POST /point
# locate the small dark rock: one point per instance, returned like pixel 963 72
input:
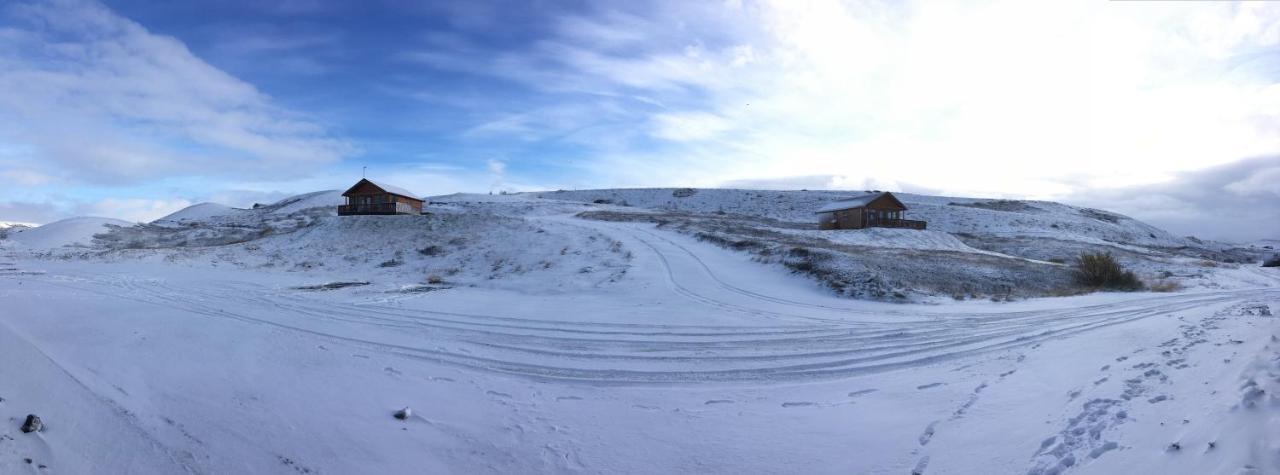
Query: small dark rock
pixel 28 461
pixel 1175 446
pixel 403 414
pixel 32 424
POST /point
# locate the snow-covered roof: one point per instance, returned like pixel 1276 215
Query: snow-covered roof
pixel 853 202
pixel 395 190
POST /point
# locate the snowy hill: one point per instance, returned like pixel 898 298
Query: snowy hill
pixel 946 214
pixel 538 335
pixel 67 232
pixel 972 248
pixel 195 213
pixel 215 214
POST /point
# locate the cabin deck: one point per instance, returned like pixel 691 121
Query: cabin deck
pixel 896 223
pixel 376 208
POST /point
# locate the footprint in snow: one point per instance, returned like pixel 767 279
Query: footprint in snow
pixel 862 392
pixel 498 394
pixel 568 398
pixel 799 404
pixel 930 385
pixel 920 466
pixel 928 433
pixel 1100 381
pixel 718 401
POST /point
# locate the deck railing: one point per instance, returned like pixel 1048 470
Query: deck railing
pixel 376 208
pixel 896 223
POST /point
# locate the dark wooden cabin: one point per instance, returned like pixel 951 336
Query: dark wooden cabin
pixel 878 209
pixel 367 197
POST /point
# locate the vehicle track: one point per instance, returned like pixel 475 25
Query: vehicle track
pixel 667 354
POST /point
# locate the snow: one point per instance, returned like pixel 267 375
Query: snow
pixel 947 214
pixel 195 213
pixel 395 190
pixel 67 232
pixel 893 238
pixel 851 202
pixel 557 344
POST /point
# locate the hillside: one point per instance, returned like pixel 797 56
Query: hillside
pixel 67 232
pixel 972 249
pixel 512 325
pixel 946 214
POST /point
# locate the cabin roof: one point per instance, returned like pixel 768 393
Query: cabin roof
pixel 857 201
pixel 392 189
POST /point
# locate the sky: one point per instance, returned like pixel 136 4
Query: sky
pixel 1166 111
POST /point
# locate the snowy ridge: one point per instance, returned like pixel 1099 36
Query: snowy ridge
pixel 947 214
pixel 67 232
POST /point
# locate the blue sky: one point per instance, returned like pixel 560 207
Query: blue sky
pixel 133 109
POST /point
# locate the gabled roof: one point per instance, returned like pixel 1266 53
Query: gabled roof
pixel 858 201
pixel 395 190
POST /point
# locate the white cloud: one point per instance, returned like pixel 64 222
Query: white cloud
pixel 133 209
pixel 99 97
pixel 1003 98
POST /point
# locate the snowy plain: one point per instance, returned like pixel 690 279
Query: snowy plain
pixel 554 344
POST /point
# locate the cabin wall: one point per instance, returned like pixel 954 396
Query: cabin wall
pixel 377 196
pixel 841 219
pixel 827 221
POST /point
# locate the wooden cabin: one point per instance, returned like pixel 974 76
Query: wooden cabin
pixel 367 197
pixel 875 209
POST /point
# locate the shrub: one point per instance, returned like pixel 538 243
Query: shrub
pixel 1274 261
pixel 1164 285
pixel 684 192
pixel 432 250
pixel 435 279
pixel 1057 260
pixel 1103 271
pixel 1207 263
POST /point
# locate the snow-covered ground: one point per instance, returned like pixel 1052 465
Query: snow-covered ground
pixel 67 232
pixel 208 343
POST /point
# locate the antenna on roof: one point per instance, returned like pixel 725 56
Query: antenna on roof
pixel 363 170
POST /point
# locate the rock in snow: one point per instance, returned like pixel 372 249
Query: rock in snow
pixel 404 414
pixel 32 424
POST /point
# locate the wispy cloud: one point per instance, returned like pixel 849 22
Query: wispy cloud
pixel 99 98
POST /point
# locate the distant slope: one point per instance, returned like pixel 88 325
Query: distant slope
pixel 215 214
pixel 68 232
pixel 947 214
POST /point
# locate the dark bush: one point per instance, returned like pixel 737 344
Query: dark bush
pixel 1102 270
pixel 1274 261
pixel 432 250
